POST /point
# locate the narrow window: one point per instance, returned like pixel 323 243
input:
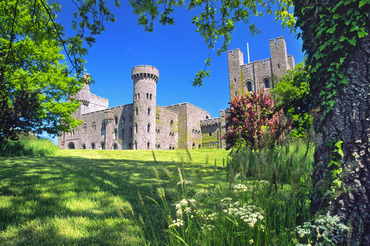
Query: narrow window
pixel 136 110
pixel 148 111
pixel 148 128
pixel 115 134
pixel 103 125
pixel 102 144
pixel 135 127
pixel 249 86
pixel 147 145
pixel 267 83
pixel 83 146
pixel 150 96
pixel 92 145
pixel 138 96
pixel 171 122
pixel 115 120
pixel 115 147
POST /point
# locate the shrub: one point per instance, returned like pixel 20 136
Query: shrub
pixel 250 119
pixel 27 146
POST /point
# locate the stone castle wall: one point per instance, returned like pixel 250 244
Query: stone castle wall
pixel 145 125
pixel 260 74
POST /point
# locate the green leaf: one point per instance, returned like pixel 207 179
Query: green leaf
pixel 352 41
pixel 342 60
pixel 331 30
pixel 363 2
pixel 361 34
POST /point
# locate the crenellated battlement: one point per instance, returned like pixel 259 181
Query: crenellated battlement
pixel 144 72
pixel 210 122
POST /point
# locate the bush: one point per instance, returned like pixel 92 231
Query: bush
pixel 27 146
pixel 250 119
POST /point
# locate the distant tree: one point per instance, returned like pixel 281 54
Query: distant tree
pixel 35 82
pixel 292 95
pixel 249 119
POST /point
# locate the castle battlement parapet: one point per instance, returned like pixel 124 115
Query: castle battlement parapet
pixel 144 72
pixel 210 122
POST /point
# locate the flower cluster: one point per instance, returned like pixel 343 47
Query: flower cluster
pixel 240 188
pixel 176 223
pixel 184 206
pixel 250 214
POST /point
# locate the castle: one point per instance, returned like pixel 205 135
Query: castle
pixel 145 125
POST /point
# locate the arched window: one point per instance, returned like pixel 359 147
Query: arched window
pixel 249 86
pixel 148 128
pixel 193 146
pixel 103 125
pixel 266 82
pixel 116 120
pixel 92 145
pixel 147 95
pixel 83 146
pixel 72 132
pixel 210 134
pixel 148 111
pixel 171 122
pixel 71 145
pixel 115 146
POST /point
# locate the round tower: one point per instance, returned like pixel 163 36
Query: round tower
pixel 145 80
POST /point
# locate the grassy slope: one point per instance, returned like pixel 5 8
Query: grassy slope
pixel 80 196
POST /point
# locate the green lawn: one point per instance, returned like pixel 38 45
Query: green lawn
pixel 84 197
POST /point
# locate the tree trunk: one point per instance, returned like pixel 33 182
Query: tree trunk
pixel 349 121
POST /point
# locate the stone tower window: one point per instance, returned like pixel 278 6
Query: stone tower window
pixel 147 95
pixel 115 134
pixel 138 96
pixel 136 110
pixel 92 145
pixel 103 125
pixel 102 144
pixel 147 145
pixel 115 120
pixel 150 96
pixel 171 122
pixel 72 132
pixel 148 128
pixel 148 111
pixel 83 146
pixel 157 116
pixel 278 65
pixel 135 127
pixel 266 83
pixel 115 146
pixel 210 134
pixel 249 86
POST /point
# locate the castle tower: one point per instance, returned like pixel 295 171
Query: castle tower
pixel 145 80
pixel 235 60
pixel 280 61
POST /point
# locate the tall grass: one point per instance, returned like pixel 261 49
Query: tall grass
pixel 27 146
pixel 262 201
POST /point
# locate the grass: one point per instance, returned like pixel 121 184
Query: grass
pixel 84 197
pixel 133 197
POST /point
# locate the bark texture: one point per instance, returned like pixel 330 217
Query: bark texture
pixel 348 121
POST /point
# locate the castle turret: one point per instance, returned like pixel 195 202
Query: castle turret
pixel 145 80
pixel 235 60
pixel 280 61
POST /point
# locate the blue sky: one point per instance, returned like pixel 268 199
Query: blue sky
pixel 177 51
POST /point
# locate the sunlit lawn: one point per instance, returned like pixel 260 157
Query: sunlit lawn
pixel 83 197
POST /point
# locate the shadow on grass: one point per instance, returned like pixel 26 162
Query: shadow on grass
pixel 79 201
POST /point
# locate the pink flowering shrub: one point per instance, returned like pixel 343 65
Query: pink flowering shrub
pixel 250 119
